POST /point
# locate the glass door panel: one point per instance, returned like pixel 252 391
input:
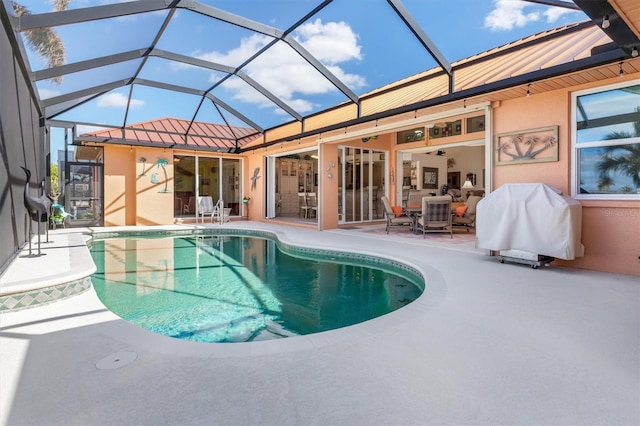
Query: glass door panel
pixel 231 185
pixel 184 169
pixel 361 184
pixel 84 194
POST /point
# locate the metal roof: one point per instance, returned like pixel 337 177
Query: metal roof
pixel 177 133
pixel 117 60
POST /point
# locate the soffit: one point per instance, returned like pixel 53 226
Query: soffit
pixel 629 10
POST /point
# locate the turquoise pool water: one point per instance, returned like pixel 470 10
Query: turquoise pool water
pixel 229 288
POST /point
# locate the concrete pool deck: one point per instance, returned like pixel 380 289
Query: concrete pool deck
pixel 487 343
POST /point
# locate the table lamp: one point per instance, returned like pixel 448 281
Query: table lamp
pixel 467 185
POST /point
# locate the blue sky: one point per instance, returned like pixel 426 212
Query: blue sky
pixel 362 42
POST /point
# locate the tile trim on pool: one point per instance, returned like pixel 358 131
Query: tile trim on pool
pixel 42 296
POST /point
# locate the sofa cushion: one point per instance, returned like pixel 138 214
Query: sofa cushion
pixel 397 210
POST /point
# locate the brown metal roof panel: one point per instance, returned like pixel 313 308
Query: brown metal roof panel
pixel 532 38
pixel 420 76
pixel 280 132
pixel 330 117
pixel 196 140
pixel 130 135
pixel 211 129
pixel 171 138
pixel 581 48
pixel 480 73
pixel 406 95
pixel 172 125
pixel 571 48
pixel 528 59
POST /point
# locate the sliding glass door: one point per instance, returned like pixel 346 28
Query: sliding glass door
pixel 218 178
pixel 361 184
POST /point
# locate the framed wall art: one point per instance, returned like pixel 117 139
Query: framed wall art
pixel 430 177
pixel 527 146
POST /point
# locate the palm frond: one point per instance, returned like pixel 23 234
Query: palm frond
pixel 45 41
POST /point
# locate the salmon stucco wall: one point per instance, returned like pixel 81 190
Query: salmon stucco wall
pixel 153 186
pixel 329 186
pixel 119 196
pixel 533 112
pixel 137 192
pixel 610 229
pixel 255 209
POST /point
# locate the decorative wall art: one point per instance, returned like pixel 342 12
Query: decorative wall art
pixel 527 146
pixel 162 163
pixel 430 177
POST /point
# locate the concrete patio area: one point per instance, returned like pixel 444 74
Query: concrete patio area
pixel 487 343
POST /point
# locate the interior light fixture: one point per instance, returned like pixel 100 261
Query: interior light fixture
pixel 528 90
pixel 467 185
pixel 605 22
pixel 634 52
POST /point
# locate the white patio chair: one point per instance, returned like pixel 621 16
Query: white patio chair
pixel 205 207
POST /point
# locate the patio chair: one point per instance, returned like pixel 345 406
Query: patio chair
pixel 312 204
pixel 205 207
pixel 392 219
pixel 220 213
pixel 307 203
pixel 59 216
pixel 468 219
pixel 436 215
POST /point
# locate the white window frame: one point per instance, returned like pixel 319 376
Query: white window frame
pixel 575 173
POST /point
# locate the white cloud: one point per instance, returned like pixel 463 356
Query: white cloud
pixel 508 14
pixel 285 73
pixel 117 100
pixel 554 13
pixel 48 93
pixel 332 43
pixel 82 129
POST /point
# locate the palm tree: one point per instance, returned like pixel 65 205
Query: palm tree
pixel 624 159
pixel 45 41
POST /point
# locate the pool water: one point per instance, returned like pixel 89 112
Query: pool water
pixel 240 288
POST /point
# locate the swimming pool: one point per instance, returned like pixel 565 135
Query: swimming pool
pixel 241 288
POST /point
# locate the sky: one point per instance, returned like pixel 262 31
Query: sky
pixel 362 42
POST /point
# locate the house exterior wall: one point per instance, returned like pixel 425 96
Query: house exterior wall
pixel 134 191
pixel 610 229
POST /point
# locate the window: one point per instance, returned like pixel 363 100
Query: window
pixel 407 136
pixel 445 129
pixel 475 124
pixel 606 143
